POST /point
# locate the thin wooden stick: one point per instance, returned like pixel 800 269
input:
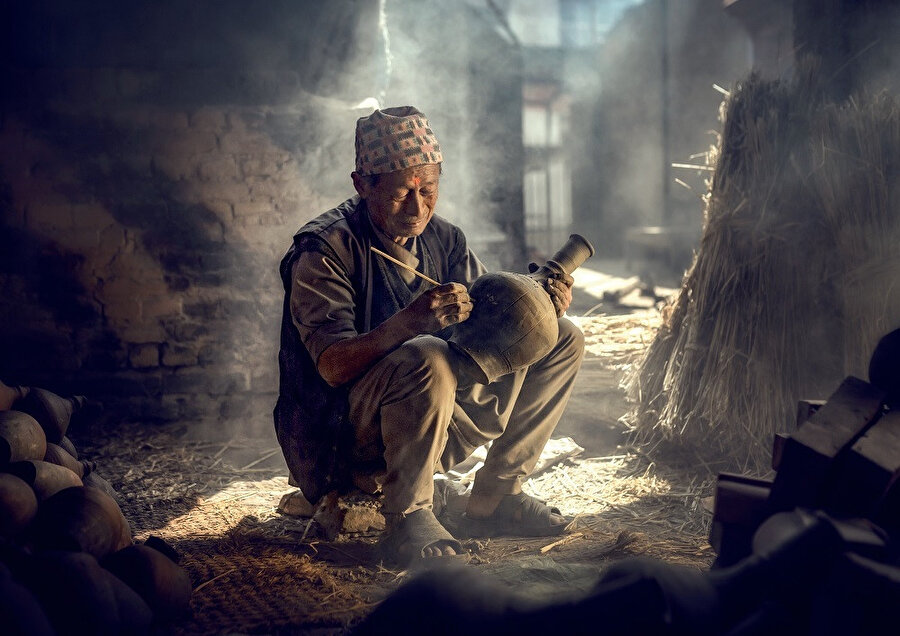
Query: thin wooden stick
pixel 403 265
pixel 215 578
pixel 565 539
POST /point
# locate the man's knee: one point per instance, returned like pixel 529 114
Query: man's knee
pixel 427 360
pixel 571 339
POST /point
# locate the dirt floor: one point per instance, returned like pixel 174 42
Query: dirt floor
pixel 256 570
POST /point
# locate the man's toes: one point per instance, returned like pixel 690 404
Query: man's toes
pixel 437 550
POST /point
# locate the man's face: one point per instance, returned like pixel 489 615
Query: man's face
pixel 401 203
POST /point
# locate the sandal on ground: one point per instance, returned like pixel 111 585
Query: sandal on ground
pixel 406 539
pixel 518 515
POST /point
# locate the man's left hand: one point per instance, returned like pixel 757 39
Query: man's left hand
pixel 560 290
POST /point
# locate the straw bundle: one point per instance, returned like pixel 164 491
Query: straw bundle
pixel 790 288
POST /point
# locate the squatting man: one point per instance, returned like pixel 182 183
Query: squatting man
pixel 370 392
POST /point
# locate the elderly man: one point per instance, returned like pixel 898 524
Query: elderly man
pixel 370 392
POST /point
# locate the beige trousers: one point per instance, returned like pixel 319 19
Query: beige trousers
pixel 412 418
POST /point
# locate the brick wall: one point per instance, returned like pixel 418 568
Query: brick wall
pixel 155 159
pixel 142 246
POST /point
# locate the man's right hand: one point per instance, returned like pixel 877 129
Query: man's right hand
pixel 431 311
pixel 439 307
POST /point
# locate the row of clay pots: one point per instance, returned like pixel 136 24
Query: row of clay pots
pixel 53 412
pixel 68 563
pixel 135 590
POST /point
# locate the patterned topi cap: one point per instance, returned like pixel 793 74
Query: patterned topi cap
pixel 392 139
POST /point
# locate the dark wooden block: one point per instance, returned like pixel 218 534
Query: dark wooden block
pixel 863 474
pixel 739 508
pixel 778 443
pixel 809 452
pixel 806 409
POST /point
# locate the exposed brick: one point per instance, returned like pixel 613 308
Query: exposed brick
pixel 186 407
pixel 218 168
pixel 178 355
pixel 264 165
pixel 232 407
pixel 211 380
pixel 184 331
pixel 216 354
pixel 160 306
pixel 121 309
pixel 229 191
pixel 142 332
pixel 143 356
pixel 245 143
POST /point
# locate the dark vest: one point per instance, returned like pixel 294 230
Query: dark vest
pixel 311 417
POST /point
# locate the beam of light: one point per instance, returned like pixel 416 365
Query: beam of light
pixel 388 56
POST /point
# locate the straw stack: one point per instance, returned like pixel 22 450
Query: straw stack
pixel 793 282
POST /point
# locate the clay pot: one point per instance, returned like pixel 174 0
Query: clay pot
pixel 56 455
pixel 21 438
pixel 9 394
pixel 52 411
pixel 45 478
pixel 80 519
pixel 569 258
pixel 66 444
pixel 135 616
pixel 513 323
pixel 94 480
pixel 80 597
pixel 21 612
pixel 18 505
pixel 164 585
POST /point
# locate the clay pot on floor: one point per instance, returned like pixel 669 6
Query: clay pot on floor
pixel 45 478
pixel 164 585
pixel 21 612
pixel 80 519
pixel 94 480
pixel 66 444
pixel 57 455
pixel 80 597
pixel 9 394
pixel 18 505
pixel 53 412
pixel 21 438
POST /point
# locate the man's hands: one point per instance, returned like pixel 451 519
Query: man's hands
pixel 560 290
pixel 558 284
pixel 439 307
pixel 431 311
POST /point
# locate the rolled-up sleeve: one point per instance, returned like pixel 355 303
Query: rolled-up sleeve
pixel 322 301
